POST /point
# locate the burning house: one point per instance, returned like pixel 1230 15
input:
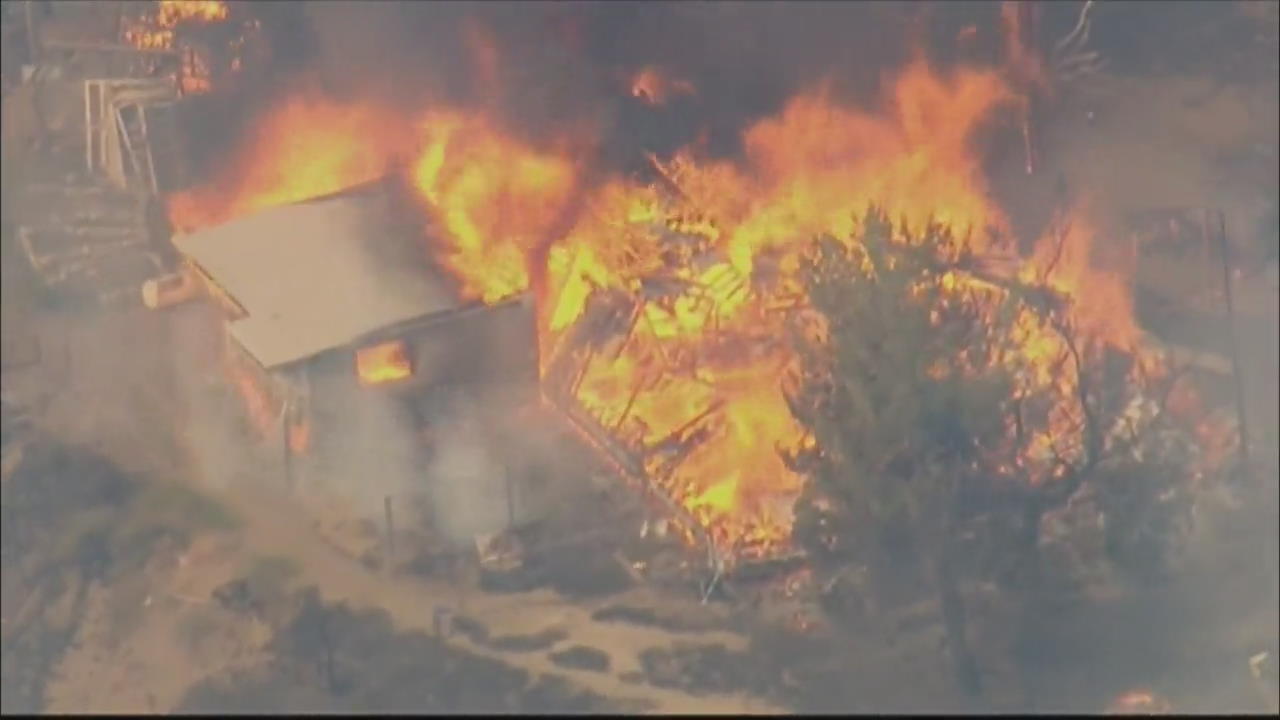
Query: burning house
pixel 357 359
pixel 664 305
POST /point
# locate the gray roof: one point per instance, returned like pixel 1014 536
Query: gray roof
pixel 319 274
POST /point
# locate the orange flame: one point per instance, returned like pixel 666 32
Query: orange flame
pixel 1063 260
pixel 494 200
pixel 383 363
pixel 259 404
pixel 713 349
pixel 174 12
pixel 694 385
pixel 158 30
pixel 299 437
pixel 306 147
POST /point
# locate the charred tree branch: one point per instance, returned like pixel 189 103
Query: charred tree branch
pixel 1220 227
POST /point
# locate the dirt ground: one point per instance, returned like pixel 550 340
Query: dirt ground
pixel 128 384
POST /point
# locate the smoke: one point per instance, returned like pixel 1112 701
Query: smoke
pixel 475 481
pixel 543 69
pixel 468 486
pixel 560 72
pixel 213 434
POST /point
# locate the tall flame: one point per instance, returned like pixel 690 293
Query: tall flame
pixel 306 146
pixel 707 349
pixel 710 270
pixel 493 198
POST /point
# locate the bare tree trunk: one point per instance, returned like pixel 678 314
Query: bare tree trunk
pixel 954 620
pixel 330 676
pixel 1029 589
pixel 1215 224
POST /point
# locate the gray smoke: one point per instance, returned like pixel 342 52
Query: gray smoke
pixel 467 484
pixel 542 66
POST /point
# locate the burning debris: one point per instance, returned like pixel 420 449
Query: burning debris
pixel 210 39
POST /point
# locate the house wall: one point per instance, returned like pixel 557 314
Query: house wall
pixel 494 346
pixel 429 436
pixel 363 444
